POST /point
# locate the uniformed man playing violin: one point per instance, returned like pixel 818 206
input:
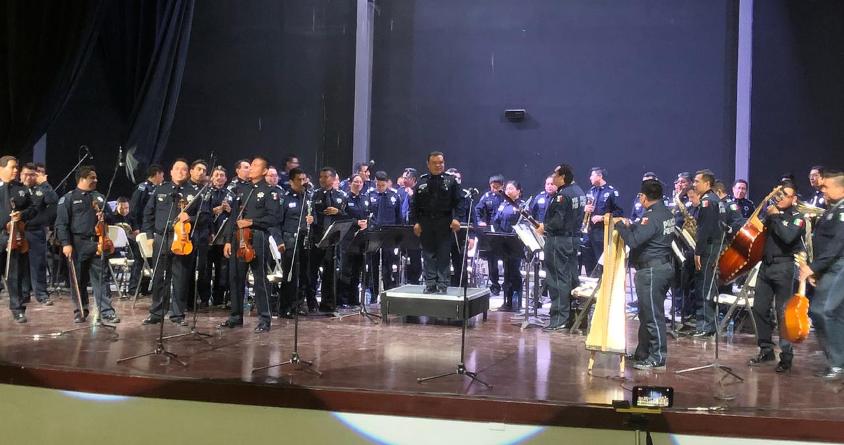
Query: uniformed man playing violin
pixel 15 206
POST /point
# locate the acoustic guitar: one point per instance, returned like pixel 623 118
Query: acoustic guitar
pixel 794 326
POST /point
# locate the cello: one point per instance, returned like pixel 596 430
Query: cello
pixel 746 248
pixel 795 318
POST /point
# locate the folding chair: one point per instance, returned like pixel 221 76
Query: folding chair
pixel 145 246
pixel 741 302
pixel 122 263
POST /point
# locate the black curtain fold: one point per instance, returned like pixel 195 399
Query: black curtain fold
pixel 145 44
pixel 44 48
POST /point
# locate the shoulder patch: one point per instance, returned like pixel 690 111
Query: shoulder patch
pixel 615 192
pixel 644 220
pixel 61 200
pixel 798 222
pixel 704 203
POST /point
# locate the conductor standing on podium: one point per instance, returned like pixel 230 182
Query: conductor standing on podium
pixel 433 211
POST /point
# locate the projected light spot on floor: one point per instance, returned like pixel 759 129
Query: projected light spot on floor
pixel 95 397
pixel 406 431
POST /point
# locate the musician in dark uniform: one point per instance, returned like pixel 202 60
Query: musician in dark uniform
pixel 466 215
pixel 15 205
pixel 161 213
pixel 44 201
pixel 649 241
pixel 562 234
pixel 506 216
pixel 745 206
pixel 827 267
pixel 218 265
pixel 291 161
pixel 434 209
pixel 816 176
pixel 540 202
pixel 241 175
pixel 775 281
pixel 200 282
pixel 76 218
pixel 294 221
pixel 485 209
pixel 732 212
pixel 637 210
pixel 137 203
pixel 413 273
pixel 385 206
pixel 329 205
pixel 605 200
pixel 255 208
pixel 708 242
pixel 352 262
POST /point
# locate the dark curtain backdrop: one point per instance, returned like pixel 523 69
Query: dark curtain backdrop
pixel 44 48
pixel 797 102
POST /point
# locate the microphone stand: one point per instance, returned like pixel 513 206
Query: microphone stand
pixel 67 176
pixel 159 348
pixel 461 367
pixel 295 360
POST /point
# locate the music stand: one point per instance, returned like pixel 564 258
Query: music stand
pixel 500 244
pixel 389 237
pixel 533 245
pixel 335 232
pixel 364 242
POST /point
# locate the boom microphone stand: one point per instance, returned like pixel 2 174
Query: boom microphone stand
pixel 159 348
pixel 716 363
pixel 295 359
pixel 461 367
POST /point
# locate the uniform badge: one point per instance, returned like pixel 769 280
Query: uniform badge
pixel 39 193
pixel 798 222
pixel 606 195
pixel 501 208
pixel 190 198
pixel 260 195
pixel 393 199
pixel 22 193
pixel 644 220
pixel 734 207
pixel 339 200
pixel 61 200
pixel 540 201
pixel 291 205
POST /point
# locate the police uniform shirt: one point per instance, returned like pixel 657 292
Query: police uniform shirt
pixel 732 214
pixel 293 213
pixel 506 216
pixel 487 205
pixel 204 213
pixel 785 234
pixel 828 239
pixel 565 211
pixel 385 207
pixel 539 205
pixel 14 192
pixel 405 204
pixel 710 213
pixel 357 206
pixel 138 201
pixel 159 207
pixel 435 197
pixel 216 198
pixel 818 199
pixel 76 216
pixel 605 200
pixel 650 238
pixel 259 203
pixel 323 199
pixel 745 207
pixel 44 201
pixel 284 180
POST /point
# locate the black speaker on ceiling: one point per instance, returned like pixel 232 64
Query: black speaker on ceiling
pixel 515 114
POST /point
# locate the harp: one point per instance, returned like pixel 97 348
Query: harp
pixel 607 331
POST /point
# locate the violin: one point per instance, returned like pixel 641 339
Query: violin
pixel 17 237
pixel 104 243
pixel 245 251
pixel 182 244
pixel 795 320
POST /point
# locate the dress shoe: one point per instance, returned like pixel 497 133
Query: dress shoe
pixel 430 290
pixel 111 318
pixel 288 314
pixel 179 321
pixel 782 366
pixel 832 373
pixel 442 290
pixel 231 323
pixel 649 365
pixel 46 302
pixel 554 328
pixel 79 318
pixel 152 319
pixel 703 334
pixel 763 357
pixel 261 328
pixel 494 290
pixel 20 318
pixel 504 308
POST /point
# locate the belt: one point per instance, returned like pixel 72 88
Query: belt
pixel 778 259
pixel 651 263
pixel 84 237
pixel 565 234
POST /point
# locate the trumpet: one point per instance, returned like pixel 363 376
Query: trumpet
pixel 584 226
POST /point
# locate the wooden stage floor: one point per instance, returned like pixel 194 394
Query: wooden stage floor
pixel 537 377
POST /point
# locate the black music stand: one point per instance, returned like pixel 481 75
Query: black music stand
pixel 332 237
pixel 500 244
pixel 364 242
pixel 392 237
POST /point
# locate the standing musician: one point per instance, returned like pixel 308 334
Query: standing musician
pixel 506 216
pixel 649 240
pixel 745 205
pixel 44 201
pixel 15 206
pixel 294 222
pixel 707 243
pixel 255 210
pixel 241 172
pixel 604 199
pixel 637 210
pixel 218 265
pixel 329 205
pixel 413 272
pixel 385 206
pixel 827 267
pixel 485 209
pixel 291 161
pixel 200 281
pixel 77 215
pixel 775 281
pixel 352 262
pixel 561 228
pixel 540 202
pixel 816 175
pixel 732 212
pixel 160 214
pixel 433 213
pixel 137 203
pixel 465 215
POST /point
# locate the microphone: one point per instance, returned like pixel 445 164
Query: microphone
pixel 473 191
pixel 87 150
pixel 371 163
pixel 120 161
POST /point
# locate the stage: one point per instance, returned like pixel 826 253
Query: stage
pixel 538 378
